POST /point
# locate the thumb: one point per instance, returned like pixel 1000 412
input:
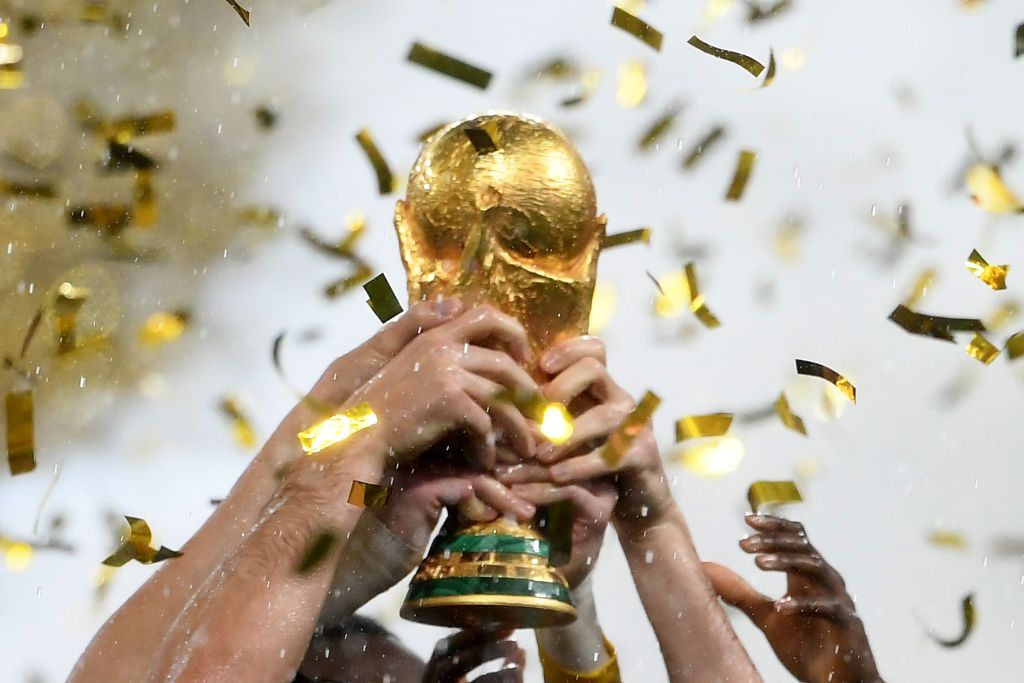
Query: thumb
pixel 423 316
pixel 735 591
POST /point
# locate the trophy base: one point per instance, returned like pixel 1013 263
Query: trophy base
pixel 489 611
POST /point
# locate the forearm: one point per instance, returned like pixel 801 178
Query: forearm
pixel 128 639
pixel 696 639
pixel 580 645
pixel 253 619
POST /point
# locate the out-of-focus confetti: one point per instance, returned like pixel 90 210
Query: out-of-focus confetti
pixel 589 83
pixel 13 188
pixel 697 426
pixel 125 129
pixel 137 546
pixel 933 325
pixel 716 9
pixel 772 493
pixel 241 426
pixel 556 423
pixel 382 299
pixel 240 11
pixel 673 295
pixel 349 282
pixel 757 12
pixel 706 143
pixel 970 620
pixel 920 289
pixel 697 302
pixel 1015 346
pixel 632 87
pixel 786 240
pixel 317 551
pixel 999 316
pixel 1018 43
pixel 744 167
pixel 637 27
pixel 793 58
pixel 989 191
pixel 750 64
pixel 67 303
pixel 21 449
pixel 944 538
pixel 146 210
pixel 631 426
pixel 993 276
pixel 642 235
pixel 11 75
pixel 812 369
pixel 385 180
pixel 163 326
pixel 266 118
pixel 337 428
pixel 717 457
pixel 125 157
pixel 788 417
pixel 558 525
pixel 982 349
pixel 262 216
pixel 658 128
pixel 109 219
pixel 363 494
pixel 17 554
pixel 602 308
pixel 769 74
pixel 449 66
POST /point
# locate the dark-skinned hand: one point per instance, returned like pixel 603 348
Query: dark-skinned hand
pixel 814 628
pixel 457 655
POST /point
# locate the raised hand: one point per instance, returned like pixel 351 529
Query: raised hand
pixel 457 655
pixel 814 628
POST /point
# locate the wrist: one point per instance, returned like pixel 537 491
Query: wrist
pixel 579 647
pixel 327 476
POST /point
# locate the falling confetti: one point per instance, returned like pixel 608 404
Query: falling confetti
pixel 632 85
pixel 763 493
pixel 944 538
pixel 363 494
pixel 163 326
pixel 317 551
pixel 642 235
pixel 449 66
pixel 382 301
pixel 812 369
pixel 697 304
pixel 791 420
pixel 385 180
pixel 697 426
pixel 933 325
pixel 982 349
pixel 741 176
pixel 993 276
pixel 137 546
pixel 706 143
pixel 21 450
pixel 658 129
pixel 718 457
pixel 337 428
pixel 989 192
pixel 631 426
pixel 637 27
pixel 750 64
pixel 241 427
pixel 970 620
pixel 240 11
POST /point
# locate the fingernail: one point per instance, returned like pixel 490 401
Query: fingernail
pixel 546 452
pixel 558 473
pixel 547 361
pixel 529 510
pixel 447 307
pixel 505 470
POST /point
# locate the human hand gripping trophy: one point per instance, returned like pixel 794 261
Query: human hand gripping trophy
pixel 500 209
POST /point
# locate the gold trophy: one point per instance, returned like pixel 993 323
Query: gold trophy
pixel 500 209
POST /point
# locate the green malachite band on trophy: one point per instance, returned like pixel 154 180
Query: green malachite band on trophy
pixel 422 590
pixel 496 543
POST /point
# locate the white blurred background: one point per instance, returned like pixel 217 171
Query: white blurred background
pixel 869 110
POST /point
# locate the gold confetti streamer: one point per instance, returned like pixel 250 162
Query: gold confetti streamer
pixel 753 66
pixel 1018 45
pixel 125 129
pixel 705 144
pixel 67 303
pixel 556 423
pixel 658 129
pixel 382 301
pixel 17 554
pixel 319 548
pixel 769 75
pixel 631 426
pixel 970 620
pixel 558 526
pixel 146 210
pixel 993 276
pixel 385 181
pixel 933 325
pixel 920 289
pixel 673 295
pixel 602 308
pixel 697 304
pixel 744 167
pixel 11 75
pixel 982 349
pixel 125 157
pixel 337 428
pixel 110 219
pixel 590 82
pixel 715 458
pixel 812 369
pixel 637 27
pixel 241 427
pixel 696 426
pixel 619 239
pixel 11 188
pixel 944 538
pixel 266 118
pixel 772 493
pixel 790 419
pixel 363 494
pixel 163 327
pixel 449 66
pixel 240 11
pixel 632 86
pixel 21 449
pixel 349 282
pixel 137 546
pixel 1015 346
pixel 989 191
pixel 262 216
pixel 757 13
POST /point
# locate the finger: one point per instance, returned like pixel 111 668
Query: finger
pixel 809 566
pixel 522 473
pixel 776 543
pixel 475 510
pixel 509 674
pixel 513 423
pixel 478 423
pixel 583 375
pixel 590 431
pixel 501 368
pixel 569 351
pixel 487 323
pixel 581 468
pixel 825 608
pixel 731 587
pixel 772 524
pixel 460 662
pixel 469 638
pixel 501 498
pixel 586 505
